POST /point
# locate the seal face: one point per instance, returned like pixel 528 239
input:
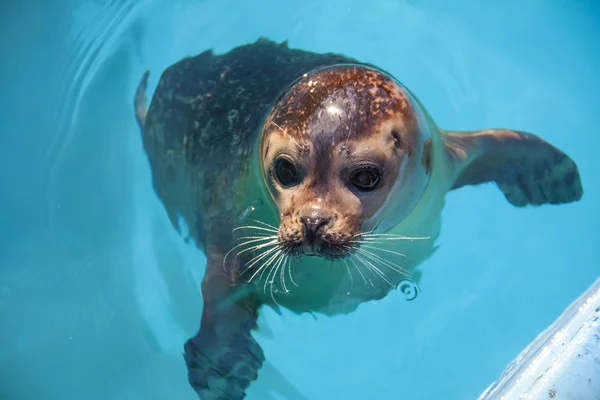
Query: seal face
pixel 335 148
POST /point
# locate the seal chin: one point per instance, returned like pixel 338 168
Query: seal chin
pixel 318 248
pixel 311 249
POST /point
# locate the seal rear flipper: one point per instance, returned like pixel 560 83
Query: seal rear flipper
pixel 223 358
pixel 139 101
pixel 528 170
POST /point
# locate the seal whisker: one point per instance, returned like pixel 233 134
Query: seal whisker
pixel 368 265
pixel 258 246
pixel 274 270
pixel 267 265
pixel 263 223
pixel 254 239
pixel 388 239
pixel 264 265
pixel 349 272
pixel 389 236
pixel 251 261
pixel 240 245
pixel 360 242
pixel 378 272
pixel 384 262
pixel 351 246
pixel 264 237
pixel 360 272
pixel 386 250
pixel 374 269
pixel 255 227
pixel 282 273
pixel 291 262
pixel 365 233
pixel 363 263
pixel 256 259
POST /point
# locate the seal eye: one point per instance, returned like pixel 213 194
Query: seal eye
pixel 365 179
pixel 286 172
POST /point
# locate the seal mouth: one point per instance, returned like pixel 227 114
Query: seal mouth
pixel 322 248
pixel 312 247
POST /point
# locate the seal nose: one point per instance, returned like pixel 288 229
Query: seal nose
pixel 313 227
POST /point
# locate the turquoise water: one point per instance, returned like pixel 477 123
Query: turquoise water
pixel 97 293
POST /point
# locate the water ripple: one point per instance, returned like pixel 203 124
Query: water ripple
pixel 87 47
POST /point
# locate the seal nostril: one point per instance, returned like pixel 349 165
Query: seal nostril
pixel 313 225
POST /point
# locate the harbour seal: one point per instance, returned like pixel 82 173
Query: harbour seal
pixel 313 182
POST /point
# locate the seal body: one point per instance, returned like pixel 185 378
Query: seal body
pixel 313 182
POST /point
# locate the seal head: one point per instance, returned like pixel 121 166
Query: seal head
pixel 344 153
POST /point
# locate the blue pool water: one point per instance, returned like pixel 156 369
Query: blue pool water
pixel 98 293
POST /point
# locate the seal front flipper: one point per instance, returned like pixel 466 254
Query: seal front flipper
pixel 223 358
pixel 528 170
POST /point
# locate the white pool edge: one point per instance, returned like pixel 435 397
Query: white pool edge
pixel 562 362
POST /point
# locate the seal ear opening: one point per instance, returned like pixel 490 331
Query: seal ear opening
pixel 528 170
